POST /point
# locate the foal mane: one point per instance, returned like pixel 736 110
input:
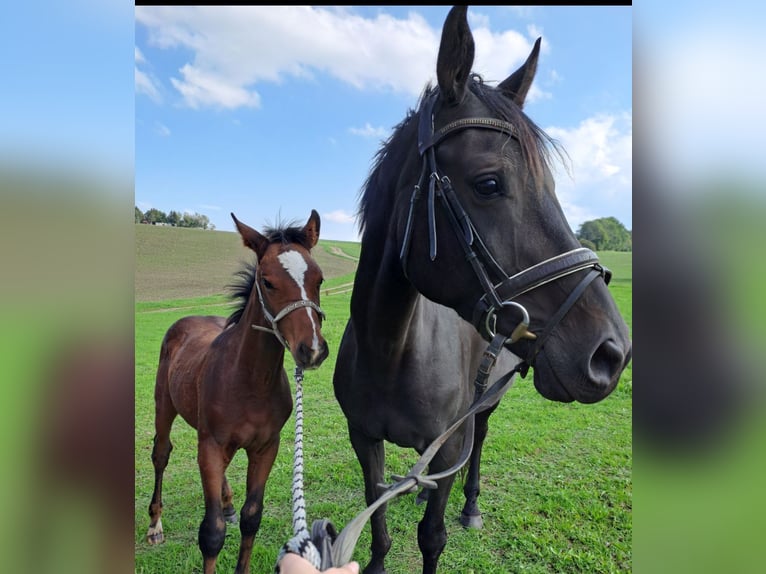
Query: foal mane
pixel 537 147
pixel 241 287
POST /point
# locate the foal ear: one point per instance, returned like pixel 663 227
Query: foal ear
pixel 312 229
pixel 517 84
pixel 456 52
pixel 251 238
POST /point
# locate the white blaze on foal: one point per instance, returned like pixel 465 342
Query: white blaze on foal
pixel 296 266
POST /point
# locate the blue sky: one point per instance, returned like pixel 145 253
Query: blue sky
pixel 270 112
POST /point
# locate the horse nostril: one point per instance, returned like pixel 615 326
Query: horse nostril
pixel 607 363
pixel 303 354
pixel 309 357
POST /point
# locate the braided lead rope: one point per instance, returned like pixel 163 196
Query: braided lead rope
pixel 300 543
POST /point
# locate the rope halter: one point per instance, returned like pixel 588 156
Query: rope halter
pixel 286 310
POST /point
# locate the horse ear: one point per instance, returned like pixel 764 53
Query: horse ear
pixel 517 84
pixel 251 238
pixel 312 229
pixel 456 52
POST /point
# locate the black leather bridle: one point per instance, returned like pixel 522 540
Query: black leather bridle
pixel 500 294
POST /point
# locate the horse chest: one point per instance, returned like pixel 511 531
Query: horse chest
pixel 404 414
pixel 253 418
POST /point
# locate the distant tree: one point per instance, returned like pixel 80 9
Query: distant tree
pixel 194 220
pixel 588 243
pixel 605 234
pixel 174 218
pixel 155 216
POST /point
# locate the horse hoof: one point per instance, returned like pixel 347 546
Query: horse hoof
pixel 155 535
pixel 422 497
pixel 230 516
pixel 472 521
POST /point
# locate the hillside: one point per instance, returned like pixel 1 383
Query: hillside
pixel 179 263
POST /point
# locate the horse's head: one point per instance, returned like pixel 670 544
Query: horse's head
pixel 287 282
pixel 479 227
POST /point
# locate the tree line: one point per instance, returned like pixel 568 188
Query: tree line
pixel 605 234
pixel 154 216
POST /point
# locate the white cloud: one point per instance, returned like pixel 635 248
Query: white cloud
pixel 144 83
pixel 370 132
pixel 522 11
pixel 339 216
pixel 202 89
pixel 161 129
pixel 601 152
pixel 235 48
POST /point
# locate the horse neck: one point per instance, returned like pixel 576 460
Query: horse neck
pixel 383 299
pixel 257 352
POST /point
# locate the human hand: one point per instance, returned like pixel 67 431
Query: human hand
pixel 294 564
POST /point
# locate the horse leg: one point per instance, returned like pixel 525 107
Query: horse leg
pixel 432 533
pixel 229 514
pixel 371 454
pixel 258 469
pixel 212 530
pixel 470 517
pixel 165 413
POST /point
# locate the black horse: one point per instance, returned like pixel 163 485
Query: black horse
pixel 464 242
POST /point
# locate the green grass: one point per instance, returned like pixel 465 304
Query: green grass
pixel 556 486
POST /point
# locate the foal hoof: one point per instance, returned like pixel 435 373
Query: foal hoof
pixel 155 535
pixel 472 521
pixel 230 515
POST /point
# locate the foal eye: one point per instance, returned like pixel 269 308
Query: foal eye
pixel 267 284
pixel 487 187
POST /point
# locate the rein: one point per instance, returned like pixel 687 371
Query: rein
pixel 323 547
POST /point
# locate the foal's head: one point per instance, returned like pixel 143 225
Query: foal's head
pixel 287 282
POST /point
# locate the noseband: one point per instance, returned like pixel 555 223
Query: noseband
pixel 501 294
pixel 286 310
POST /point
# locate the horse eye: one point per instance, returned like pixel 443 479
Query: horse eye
pixel 487 187
pixel 267 284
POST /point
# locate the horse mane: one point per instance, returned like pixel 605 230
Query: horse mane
pixel 537 148
pixel 241 287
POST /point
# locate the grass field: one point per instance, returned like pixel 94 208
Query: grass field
pixel 556 486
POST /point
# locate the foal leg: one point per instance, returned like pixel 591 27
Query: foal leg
pixel 371 454
pixel 229 514
pixel 212 530
pixel 470 517
pixel 165 413
pixel 258 470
